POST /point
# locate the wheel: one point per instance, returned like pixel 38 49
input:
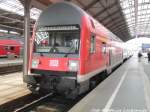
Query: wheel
pixel 16 56
pixel 11 55
pixel 72 94
pixel 34 89
pixel 37 90
pixel 108 71
pixel 92 84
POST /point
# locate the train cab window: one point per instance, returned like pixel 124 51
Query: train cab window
pixel 92 46
pixel 60 42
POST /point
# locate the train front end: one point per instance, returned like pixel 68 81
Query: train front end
pixel 55 57
pixel 55 51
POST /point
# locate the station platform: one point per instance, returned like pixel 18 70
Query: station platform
pixel 127 89
pixel 12 87
pixel 5 62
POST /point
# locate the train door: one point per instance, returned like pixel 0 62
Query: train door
pixel 110 59
pixel 92 51
pixel 104 53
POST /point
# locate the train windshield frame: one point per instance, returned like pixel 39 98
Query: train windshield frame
pixel 57 40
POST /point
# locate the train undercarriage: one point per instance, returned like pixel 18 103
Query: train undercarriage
pixel 61 83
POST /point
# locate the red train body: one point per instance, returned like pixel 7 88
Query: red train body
pixel 9 47
pixel 68 49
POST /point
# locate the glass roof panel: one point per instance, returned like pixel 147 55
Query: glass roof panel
pixel 143 19
pixel 128 10
pixel 14 6
pixel 35 13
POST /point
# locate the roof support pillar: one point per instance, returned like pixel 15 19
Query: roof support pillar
pixel 136 17
pixel 27 5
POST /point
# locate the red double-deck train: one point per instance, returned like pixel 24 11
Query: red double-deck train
pixel 68 49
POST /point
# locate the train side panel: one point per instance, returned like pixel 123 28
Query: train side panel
pixel 115 54
pixel 93 54
pixel 9 50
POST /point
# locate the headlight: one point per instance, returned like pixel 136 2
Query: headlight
pixel 73 65
pixel 35 63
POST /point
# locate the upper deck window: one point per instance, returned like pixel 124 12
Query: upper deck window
pixel 92 23
pixel 92 46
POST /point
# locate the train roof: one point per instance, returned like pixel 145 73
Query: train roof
pixel 56 15
pixel 7 42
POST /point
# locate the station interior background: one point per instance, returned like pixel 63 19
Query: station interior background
pixel 127 19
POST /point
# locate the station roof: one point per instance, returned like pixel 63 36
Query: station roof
pixel 137 14
pixel 117 15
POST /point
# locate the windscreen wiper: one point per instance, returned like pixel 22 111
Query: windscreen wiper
pixel 54 49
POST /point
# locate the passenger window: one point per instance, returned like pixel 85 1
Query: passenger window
pixel 92 46
pixel 104 47
pixel 6 47
pixel 11 48
pixel 92 23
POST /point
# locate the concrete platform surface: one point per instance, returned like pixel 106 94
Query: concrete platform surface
pixel 12 87
pixel 127 89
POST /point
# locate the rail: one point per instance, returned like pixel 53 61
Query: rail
pixel 32 104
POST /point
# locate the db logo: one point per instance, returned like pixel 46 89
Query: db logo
pixel 54 63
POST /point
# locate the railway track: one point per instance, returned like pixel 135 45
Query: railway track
pixel 46 103
pixel 49 103
pixel 34 103
pixel 18 103
pixel 10 69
